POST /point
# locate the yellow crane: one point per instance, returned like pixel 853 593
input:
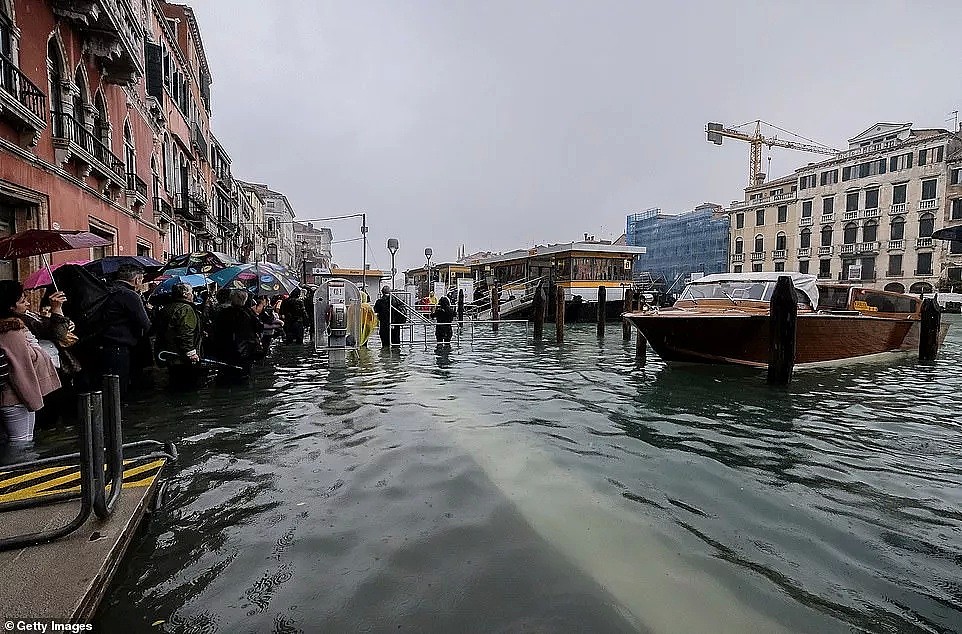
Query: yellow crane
pixel 717 132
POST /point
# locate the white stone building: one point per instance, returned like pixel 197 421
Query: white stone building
pixel 865 216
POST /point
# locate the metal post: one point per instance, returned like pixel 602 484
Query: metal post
pixel 930 326
pixel 364 252
pixel 626 308
pixel 602 310
pixel 782 325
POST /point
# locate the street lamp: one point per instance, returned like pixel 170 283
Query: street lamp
pixel 392 246
pixel 428 252
pixel 304 261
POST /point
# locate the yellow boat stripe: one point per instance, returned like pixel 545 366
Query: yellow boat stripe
pixel 68 483
pixel 33 475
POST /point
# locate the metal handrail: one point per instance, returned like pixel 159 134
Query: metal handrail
pixel 14 82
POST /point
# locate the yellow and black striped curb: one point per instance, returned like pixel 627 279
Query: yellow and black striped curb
pixel 66 479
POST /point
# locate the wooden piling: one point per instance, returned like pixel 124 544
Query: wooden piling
pixel 783 320
pixel 602 310
pixel 930 325
pixel 460 304
pixel 641 349
pixel 540 303
pixel 559 313
pixel 626 308
pixel 495 307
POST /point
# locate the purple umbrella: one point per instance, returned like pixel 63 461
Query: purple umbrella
pixel 43 241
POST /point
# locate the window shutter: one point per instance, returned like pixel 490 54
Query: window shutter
pixel 155 71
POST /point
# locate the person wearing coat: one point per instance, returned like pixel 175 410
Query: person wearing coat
pixel 444 314
pixel 179 332
pixel 31 372
pixel 240 329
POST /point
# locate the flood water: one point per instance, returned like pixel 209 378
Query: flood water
pixel 508 486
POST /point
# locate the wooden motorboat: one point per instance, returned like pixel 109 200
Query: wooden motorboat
pixel 724 318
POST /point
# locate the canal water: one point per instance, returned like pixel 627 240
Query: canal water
pixel 507 486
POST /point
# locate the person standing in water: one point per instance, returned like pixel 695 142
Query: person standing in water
pixel 444 314
pixel 390 316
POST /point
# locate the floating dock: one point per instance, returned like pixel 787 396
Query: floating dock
pixel 66 579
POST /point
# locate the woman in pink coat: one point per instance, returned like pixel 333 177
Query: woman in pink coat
pixel 32 374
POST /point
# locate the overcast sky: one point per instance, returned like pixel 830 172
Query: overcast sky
pixel 501 124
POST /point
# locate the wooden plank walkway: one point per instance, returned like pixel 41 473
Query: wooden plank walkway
pixel 67 579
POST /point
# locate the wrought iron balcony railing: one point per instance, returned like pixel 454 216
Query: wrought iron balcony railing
pixel 66 128
pixel 16 84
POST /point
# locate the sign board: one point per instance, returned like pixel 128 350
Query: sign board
pixel 335 293
pixel 855 272
pixel 698 275
pixel 440 289
pixel 317 271
pixel 466 285
pixel 627 265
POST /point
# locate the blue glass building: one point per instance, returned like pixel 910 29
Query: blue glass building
pixel 692 242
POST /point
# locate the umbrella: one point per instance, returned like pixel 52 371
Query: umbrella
pixel 201 262
pixel 256 278
pixel 43 241
pixel 949 233
pixel 108 265
pixel 42 277
pixel 193 281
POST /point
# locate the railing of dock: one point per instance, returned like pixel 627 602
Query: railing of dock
pixel 101 462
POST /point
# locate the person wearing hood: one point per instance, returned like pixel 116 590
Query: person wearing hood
pixel 295 316
pixel 30 373
pixel 179 335
pixel 444 314
pixel 390 316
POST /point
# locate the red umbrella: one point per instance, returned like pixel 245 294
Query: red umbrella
pixel 42 241
pixel 42 277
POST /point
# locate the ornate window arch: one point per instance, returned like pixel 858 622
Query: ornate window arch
pixel 101 119
pixel 805 240
pixel 897 228
pixel 827 235
pixel 870 231
pixel 759 243
pixel 56 84
pixel 130 153
pixel 926 225
pixel 850 233
pixel 781 241
pixel 739 245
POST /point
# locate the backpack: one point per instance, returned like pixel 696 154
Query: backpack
pixel 87 297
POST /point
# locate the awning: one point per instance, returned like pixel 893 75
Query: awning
pixel 949 233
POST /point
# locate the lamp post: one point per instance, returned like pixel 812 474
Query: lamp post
pixel 392 246
pixel 304 261
pixel 428 252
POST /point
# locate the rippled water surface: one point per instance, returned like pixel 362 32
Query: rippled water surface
pixel 508 486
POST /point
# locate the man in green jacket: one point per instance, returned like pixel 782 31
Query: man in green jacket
pixel 178 332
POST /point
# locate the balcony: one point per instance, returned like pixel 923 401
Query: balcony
pixel 112 33
pixel 758 256
pixel 200 141
pixel 827 218
pixel 868 247
pixel 923 243
pixel 73 138
pixel 804 252
pixel 806 222
pixel 850 215
pixel 846 249
pixel 896 245
pixel 780 198
pixel 929 205
pixel 872 213
pixel 22 102
pixel 162 211
pixel 779 254
pixel 137 186
pixel 896 209
pixel 738 257
pixel 893 274
pixel 186 207
pixel 825 250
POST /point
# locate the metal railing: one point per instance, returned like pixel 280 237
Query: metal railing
pixel 101 462
pixel 15 83
pixel 136 184
pixel 67 128
pixel 520 293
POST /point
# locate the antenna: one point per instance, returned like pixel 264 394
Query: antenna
pixel 954 115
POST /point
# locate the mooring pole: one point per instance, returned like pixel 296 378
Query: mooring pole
pixel 641 349
pixel 783 320
pixel 460 304
pixel 626 308
pixel 559 313
pixel 539 310
pixel 495 307
pixel 602 308
pixel 930 325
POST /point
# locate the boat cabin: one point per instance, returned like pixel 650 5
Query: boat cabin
pixel 838 297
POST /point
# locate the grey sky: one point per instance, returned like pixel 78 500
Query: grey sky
pixel 498 124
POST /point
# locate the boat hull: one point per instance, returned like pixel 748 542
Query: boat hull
pixel 743 339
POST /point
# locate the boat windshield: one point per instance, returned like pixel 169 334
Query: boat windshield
pixel 759 291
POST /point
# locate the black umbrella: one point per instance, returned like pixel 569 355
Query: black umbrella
pixel 109 265
pixel 949 233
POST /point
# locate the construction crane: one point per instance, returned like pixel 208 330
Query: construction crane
pixel 717 131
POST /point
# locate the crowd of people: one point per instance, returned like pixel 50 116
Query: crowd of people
pixel 48 357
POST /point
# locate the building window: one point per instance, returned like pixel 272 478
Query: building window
pixel 270 204
pixel 957 209
pixel 780 241
pixel 827 236
pixel 782 213
pixel 759 243
pixel 779 266
pixel 807 209
pixel 101 122
pixel 759 217
pixel 104 251
pixel 931 155
pixel 895 266
pixel 803 266
pixel 737 268
pixel 825 268
pixel 871 199
pixel 130 155
pixel 828 206
pixel 739 246
pixel 806 181
pixel 925 264
pixel 868 268
pixel 898 194
pixel 851 201
pixel 926 225
pixel 828 178
pixel 850 233
pixel 900 162
pixel 955 176
pixel 847 173
pixel 898 228
pixel 143 250
pixel 805 240
pixel 756 268
pixel 870 231
pixel 928 189
pixel 955 246
pixel 55 76
pixel 740 221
